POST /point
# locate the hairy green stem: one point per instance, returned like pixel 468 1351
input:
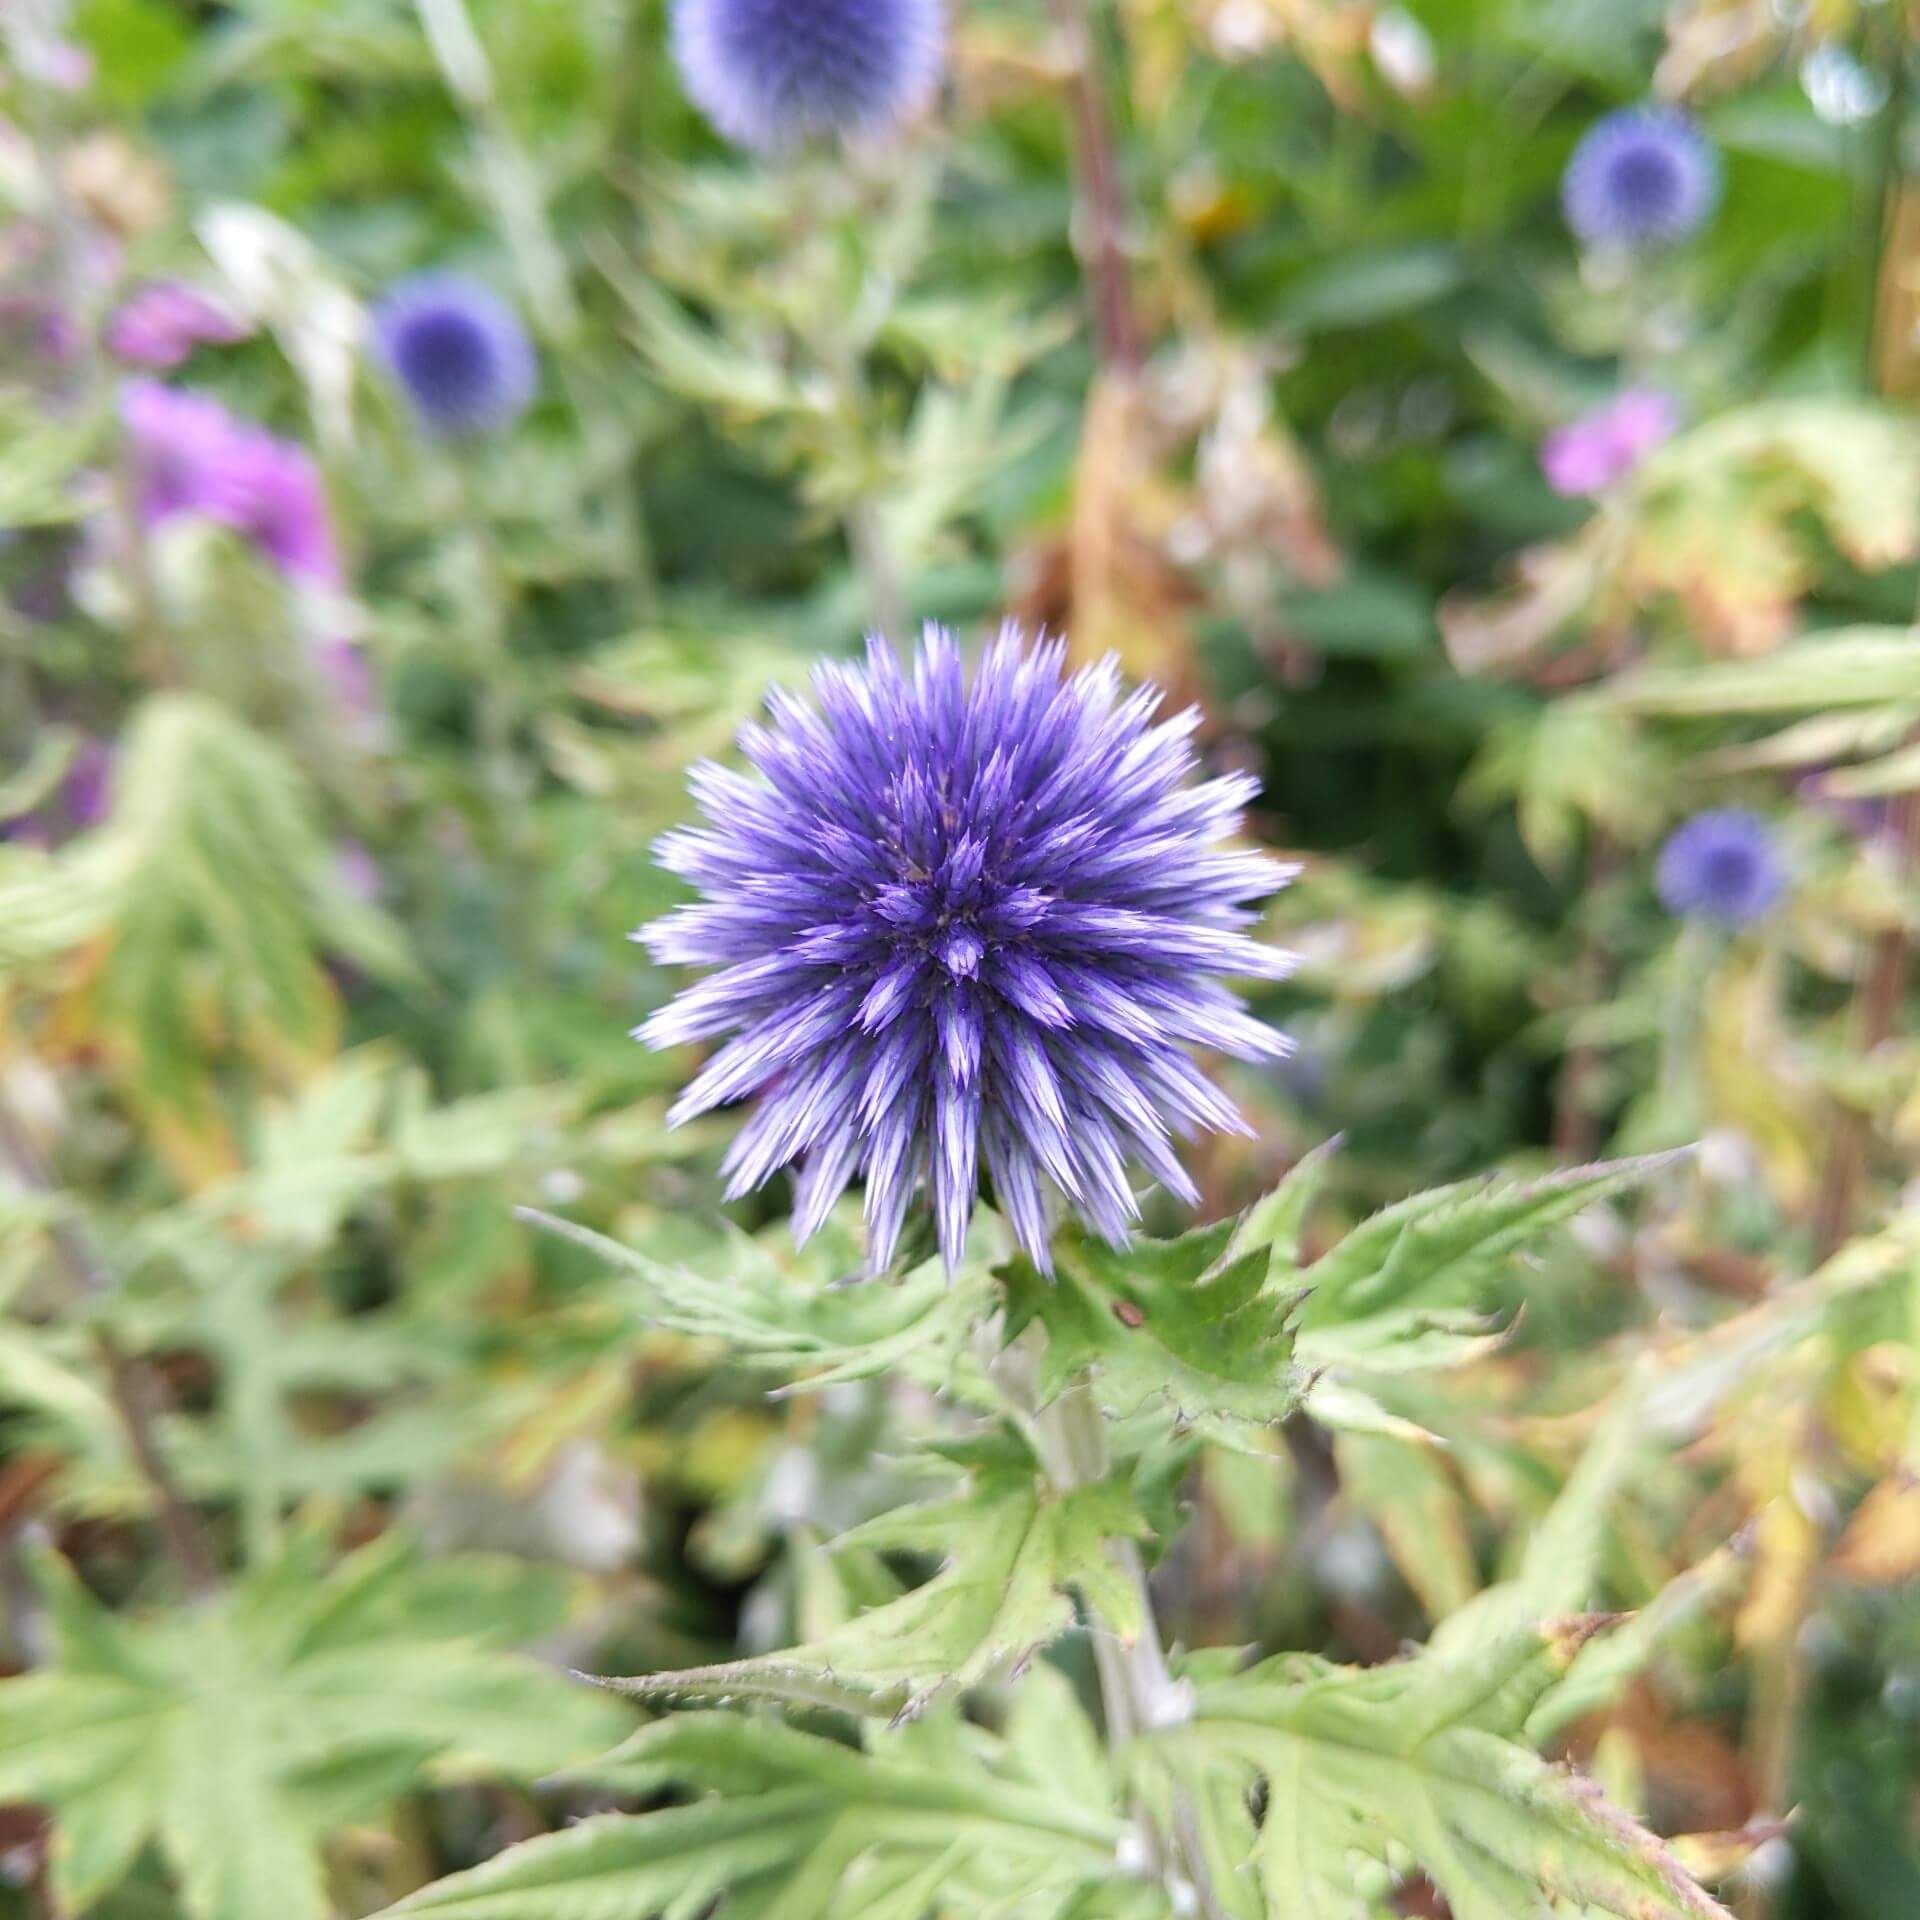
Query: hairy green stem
pixel 836 336
pixel 1136 1690
pixel 1881 208
pixel 873 562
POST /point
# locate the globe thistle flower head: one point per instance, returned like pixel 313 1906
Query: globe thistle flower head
pixel 1642 177
pixel 1722 865
pixel 771 73
pixel 457 351
pixel 964 927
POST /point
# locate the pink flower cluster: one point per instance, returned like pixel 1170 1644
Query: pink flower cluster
pixel 194 457
pixel 1590 454
pixel 164 321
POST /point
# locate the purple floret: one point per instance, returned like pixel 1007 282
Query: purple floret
pixel 194 457
pixel 163 322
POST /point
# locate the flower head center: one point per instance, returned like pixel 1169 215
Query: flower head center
pixel 445 353
pixel 1729 872
pixel 1646 181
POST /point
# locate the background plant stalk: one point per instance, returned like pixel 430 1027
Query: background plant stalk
pixel 136 1393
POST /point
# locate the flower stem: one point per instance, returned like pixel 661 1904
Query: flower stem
pixel 504 166
pixel 879 577
pixel 1876 1005
pixel 1136 1689
pixel 66 229
pixel 135 1391
pixel 836 337
pixel 1689 966
pixel 1573 1120
pixel 1101 212
pixel 1877 1002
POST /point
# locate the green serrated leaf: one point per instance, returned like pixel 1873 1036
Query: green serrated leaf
pixel 1191 1320
pixel 1603 1667
pixel 1560 1567
pixel 1404 1288
pixel 1014 1548
pixel 803 1828
pixel 822 1333
pixel 1275 1221
pixel 212 1732
pixel 1417 1763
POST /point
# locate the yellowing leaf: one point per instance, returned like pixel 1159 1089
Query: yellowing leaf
pixel 216 894
pixel 1752 1080
pixel 1126 596
pixel 1406 1489
pixel 1786 1550
pixel 1881 1546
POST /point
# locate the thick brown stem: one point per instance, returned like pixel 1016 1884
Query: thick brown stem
pixel 1878 1001
pixel 1101 237
pixel 1877 1006
pixel 137 1395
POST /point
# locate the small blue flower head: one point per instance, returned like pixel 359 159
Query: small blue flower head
pixel 771 73
pixel 963 925
pixel 1721 866
pixel 458 352
pixel 1642 177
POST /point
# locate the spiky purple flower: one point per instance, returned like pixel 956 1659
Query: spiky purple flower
pixel 1721 865
pixel 771 73
pixel 1642 177
pixel 963 925
pixel 458 352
